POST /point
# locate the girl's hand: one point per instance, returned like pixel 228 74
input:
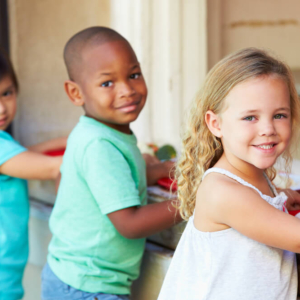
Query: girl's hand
pixel 54 144
pixel 293 201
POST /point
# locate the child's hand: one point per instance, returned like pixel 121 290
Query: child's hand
pixel 159 170
pixel 150 159
pixel 54 144
pixel 168 167
pixel 293 201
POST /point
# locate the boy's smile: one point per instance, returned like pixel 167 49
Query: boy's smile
pixel 256 126
pixel 111 84
pixel 8 102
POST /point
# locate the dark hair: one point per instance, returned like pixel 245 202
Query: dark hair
pixel 96 35
pixel 6 68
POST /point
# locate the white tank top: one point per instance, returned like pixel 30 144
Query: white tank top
pixel 226 265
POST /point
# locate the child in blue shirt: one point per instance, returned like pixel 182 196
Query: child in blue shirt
pixel 17 164
pixel 101 218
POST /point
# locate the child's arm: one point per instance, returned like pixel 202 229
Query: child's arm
pixel 53 144
pixel 31 165
pixel 159 170
pixel 293 201
pixel 244 210
pixel 111 182
pixel 139 222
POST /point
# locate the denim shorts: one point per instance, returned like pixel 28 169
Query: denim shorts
pixel 54 289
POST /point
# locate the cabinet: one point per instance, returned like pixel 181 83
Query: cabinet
pixel 157 257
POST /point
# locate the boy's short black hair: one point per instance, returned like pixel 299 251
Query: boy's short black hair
pixel 91 36
pixel 6 68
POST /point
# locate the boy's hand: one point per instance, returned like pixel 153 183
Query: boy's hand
pixel 150 159
pixel 293 201
pixel 159 170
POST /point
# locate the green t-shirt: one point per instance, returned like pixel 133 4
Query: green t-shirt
pixel 103 171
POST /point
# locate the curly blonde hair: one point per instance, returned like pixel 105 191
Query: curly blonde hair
pixel 201 149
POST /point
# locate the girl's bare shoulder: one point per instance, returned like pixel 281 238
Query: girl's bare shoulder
pixel 218 188
pixel 221 200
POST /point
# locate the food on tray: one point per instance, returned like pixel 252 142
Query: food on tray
pixel 147 148
pixel 167 183
pixel 295 213
pixel 166 152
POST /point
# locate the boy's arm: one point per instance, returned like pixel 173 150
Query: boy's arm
pixel 293 201
pixel 31 165
pixel 139 222
pixel 53 144
pixel 109 178
pixel 159 170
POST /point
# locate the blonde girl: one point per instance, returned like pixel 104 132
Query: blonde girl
pixel 239 242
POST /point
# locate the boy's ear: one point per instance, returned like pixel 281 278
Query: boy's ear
pixel 213 123
pixel 73 91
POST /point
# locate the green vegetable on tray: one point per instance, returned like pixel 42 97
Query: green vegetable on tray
pixel 165 152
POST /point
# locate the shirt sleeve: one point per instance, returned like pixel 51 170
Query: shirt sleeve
pixel 9 147
pixel 109 177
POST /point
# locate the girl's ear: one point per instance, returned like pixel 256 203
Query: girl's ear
pixel 74 93
pixel 213 123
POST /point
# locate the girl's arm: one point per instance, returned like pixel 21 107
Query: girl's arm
pixel 31 165
pixel 243 209
pixel 53 144
pixel 139 222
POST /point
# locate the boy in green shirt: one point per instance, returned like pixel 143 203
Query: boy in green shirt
pixel 100 218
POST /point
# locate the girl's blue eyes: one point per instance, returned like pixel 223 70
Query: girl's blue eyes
pixel 249 118
pixel 276 117
pixel 279 116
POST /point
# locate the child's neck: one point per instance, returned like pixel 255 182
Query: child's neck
pixel 242 169
pixel 124 128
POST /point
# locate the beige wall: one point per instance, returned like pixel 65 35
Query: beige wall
pixel 270 24
pixel 38 33
pixel 173 59
pixel 177 41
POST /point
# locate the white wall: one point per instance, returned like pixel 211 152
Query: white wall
pixel 169 38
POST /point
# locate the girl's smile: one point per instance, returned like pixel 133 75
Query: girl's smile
pixel 260 134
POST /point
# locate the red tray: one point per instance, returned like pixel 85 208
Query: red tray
pixel 58 152
pixel 166 183
pixel 294 212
